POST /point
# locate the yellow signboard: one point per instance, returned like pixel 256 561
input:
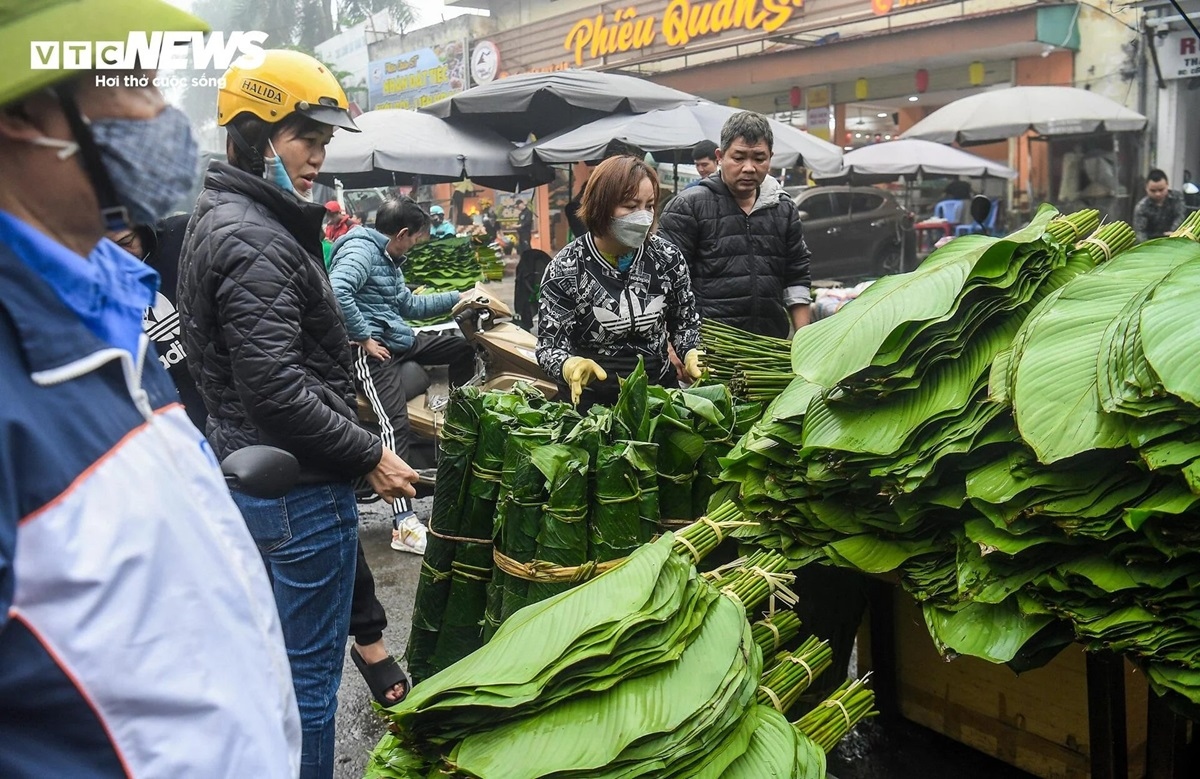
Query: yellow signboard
pixel 883 7
pixel 818 104
pixel 682 21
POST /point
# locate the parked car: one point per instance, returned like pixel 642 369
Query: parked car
pixel 855 233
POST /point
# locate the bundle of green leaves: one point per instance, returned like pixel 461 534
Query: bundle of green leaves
pixel 1012 429
pixel 529 488
pixel 650 669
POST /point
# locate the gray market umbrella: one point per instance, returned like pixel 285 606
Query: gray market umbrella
pixel 1008 113
pixel 541 103
pixel 890 160
pixel 397 145
pixel 672 132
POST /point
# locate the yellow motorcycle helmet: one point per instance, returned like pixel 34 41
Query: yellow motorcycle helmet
pixel 286 82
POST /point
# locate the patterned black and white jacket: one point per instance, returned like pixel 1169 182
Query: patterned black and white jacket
pixel 590 309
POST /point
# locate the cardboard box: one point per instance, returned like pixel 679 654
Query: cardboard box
pixel 1037 721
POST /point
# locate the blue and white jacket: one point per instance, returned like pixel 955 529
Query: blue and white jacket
pixel 138 633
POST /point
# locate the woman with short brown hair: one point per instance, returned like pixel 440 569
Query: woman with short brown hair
pixel 617 293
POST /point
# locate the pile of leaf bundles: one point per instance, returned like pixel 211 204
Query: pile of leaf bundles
pixel 459 436
pixel 557 496
pixel 647 670
pixel 490 263
pixel 457 566
pixel 849 430
pixel 444 265
pixel 519 511
pixel 1012 429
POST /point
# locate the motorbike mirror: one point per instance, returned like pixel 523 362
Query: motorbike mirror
pixel 261 471
pixel 981 207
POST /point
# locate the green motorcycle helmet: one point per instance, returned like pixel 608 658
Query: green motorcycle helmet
pixel 28 28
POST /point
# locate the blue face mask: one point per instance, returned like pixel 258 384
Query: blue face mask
pixel 151 162
pixel 276 173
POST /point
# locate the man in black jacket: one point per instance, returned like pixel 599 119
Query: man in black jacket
pixel 741 236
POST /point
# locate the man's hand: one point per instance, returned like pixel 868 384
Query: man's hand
pixel 801 315
pixel 375 349
pixel 392 477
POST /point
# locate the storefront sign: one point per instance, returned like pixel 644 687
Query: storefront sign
pixel 682 21
pixel 1178 54
pixel 418 78
pixel 485 62
pixel 884 7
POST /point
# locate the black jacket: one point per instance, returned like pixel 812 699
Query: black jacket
pixel 264 334
pixel 746 269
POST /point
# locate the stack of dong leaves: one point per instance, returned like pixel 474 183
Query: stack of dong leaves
pixel 1012 429
pixel 448 265
pixel 534 498
pixel 648 670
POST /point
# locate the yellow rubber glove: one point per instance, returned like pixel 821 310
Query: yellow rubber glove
pixel 578 372
pixel 693 363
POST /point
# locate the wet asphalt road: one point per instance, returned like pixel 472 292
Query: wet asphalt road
pixel 358 727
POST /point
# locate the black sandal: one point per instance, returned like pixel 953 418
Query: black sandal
pixel 381 677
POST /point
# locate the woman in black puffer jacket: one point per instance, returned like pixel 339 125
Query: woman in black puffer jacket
pixel 270 355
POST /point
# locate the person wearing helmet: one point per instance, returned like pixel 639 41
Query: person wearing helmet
pixel 138 633
pixel 270 354
pixel 438 226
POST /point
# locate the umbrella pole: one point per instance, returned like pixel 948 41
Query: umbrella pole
pixel 675 175
pixel 570 196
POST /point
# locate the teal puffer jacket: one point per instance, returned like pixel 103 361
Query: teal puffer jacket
pixel 371 291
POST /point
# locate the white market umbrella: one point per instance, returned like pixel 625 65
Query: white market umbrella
pixel 396 145
pixel 1008 113
pixel 673 132
pixel 890 160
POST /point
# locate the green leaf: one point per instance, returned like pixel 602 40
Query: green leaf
pixel 991 632
pixel 1056 399
pixel 591 731
pixel 1170 328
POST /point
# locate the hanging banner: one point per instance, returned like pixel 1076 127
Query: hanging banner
pixel 818 109
pixel 418 78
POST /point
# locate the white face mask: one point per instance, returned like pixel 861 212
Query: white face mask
pixel 631 230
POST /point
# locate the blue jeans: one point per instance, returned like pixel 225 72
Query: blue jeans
pixel 309 540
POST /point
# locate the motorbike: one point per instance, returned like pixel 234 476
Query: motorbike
pixel 504 355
